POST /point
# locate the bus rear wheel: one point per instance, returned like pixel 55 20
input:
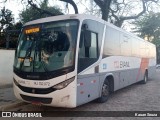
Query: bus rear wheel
pixel 145 79
pixel 105 92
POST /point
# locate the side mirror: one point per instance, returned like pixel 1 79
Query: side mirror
pixel 87 38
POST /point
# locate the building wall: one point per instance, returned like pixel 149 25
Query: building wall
pixel 6 67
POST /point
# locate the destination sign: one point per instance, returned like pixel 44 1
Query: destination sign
pixel 32 30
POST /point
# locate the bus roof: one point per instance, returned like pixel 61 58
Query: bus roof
pixel 64 17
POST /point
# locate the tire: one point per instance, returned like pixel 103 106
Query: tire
pixel 145 79
pixel 105 92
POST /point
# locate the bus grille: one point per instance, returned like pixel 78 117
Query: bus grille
pixel 37 90
pixel 37 99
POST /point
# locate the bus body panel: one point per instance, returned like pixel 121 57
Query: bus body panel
pixel 122 77
pixel 87 88
pixel 130 65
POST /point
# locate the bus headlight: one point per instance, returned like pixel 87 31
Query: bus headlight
pixel 64 84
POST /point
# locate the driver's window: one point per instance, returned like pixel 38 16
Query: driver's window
pixel 89 52
pixel 88 55
pixel 93 51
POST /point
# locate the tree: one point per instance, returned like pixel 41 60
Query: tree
pixel 122 10
pixel 105 7
pixel 11 35
pixel 6 18
pixel 117 11
pixel 148 27
pixel 34 5
pixel 34 12
pixel 73 4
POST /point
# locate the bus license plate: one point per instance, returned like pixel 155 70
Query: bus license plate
pixel 36 103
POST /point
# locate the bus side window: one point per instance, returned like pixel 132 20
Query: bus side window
pixel 88 49
pixel 93 51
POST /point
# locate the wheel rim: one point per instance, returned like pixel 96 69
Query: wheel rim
pixel 145 78
pixel 105 90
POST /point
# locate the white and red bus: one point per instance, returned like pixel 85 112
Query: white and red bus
pixel 69 60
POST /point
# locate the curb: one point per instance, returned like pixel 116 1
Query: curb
pixel 12 105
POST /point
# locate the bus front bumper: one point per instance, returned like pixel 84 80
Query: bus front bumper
pixel 65 97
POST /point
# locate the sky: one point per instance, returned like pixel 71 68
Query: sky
pixel 16 7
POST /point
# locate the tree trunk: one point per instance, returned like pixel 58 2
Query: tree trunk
pixel 104 5
pixel 73 4
pixel 119 23
pixel 105 14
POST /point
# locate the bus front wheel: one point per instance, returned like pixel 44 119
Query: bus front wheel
pixel 105 92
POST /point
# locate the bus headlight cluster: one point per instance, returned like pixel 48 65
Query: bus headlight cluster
pixel 15 82
pixel 64 84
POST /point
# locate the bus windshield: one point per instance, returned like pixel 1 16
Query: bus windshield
pixel 47 46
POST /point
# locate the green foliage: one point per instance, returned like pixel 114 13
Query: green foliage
pixel 13 31
pixel 16 26
pixel 31 13
pixel 6 18
pixel 148 27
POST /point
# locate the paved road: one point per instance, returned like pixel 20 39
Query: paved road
pixel 7 95
pixel 137 97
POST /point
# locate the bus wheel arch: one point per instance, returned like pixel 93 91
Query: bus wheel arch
pixel 111 82
pixel 106 89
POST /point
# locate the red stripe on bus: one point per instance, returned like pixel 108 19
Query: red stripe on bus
pixel 143 66
pixel 81 83
pixel 82 92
